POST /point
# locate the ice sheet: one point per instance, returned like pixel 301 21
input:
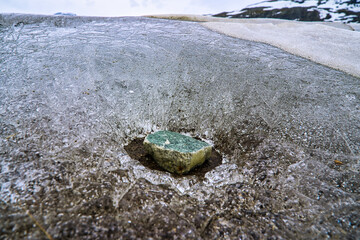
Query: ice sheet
pixel 74 91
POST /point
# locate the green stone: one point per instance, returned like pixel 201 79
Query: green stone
pixel 175 152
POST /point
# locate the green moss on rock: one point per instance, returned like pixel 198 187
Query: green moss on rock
pixel 175 152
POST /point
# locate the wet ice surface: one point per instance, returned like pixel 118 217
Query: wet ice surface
pixel 75 90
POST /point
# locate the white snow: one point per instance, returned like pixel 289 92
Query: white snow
pixel 334 16
pixel 340 4
pixel 355 26
pixel 278 5
pixel 331 4
pixel 324 44
pixel 284 4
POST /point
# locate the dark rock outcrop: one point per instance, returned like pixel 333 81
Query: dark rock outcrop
pixel 348 11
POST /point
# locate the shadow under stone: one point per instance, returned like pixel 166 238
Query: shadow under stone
pixel 136 150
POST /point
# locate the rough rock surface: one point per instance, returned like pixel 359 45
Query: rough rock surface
pixel 346 11
pixel 175 152
pixel 74 91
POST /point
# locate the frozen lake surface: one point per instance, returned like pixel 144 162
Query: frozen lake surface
pixel 75 90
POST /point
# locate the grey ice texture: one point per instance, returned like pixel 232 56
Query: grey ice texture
pixel 75 90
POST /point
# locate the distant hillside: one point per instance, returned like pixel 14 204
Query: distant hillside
pixel 347 11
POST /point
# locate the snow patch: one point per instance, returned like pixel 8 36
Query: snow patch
pixel 336 48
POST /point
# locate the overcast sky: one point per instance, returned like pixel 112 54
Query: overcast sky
pixel 122 7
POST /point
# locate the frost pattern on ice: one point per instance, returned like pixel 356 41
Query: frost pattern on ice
pixel 73 93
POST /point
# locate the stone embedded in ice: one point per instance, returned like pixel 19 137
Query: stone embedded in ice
pixel 274 115
pixel 175 152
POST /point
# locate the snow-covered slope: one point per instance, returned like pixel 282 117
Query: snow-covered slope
pixel 303 10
